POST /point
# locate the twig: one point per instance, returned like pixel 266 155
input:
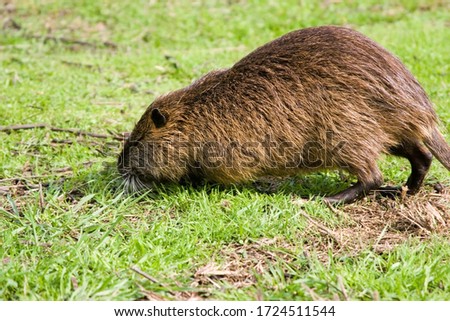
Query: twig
pixel 152 279
pixel 323 229
pixel 57 172
pixel 20 127
pixel 13 25
pixel 29 186
pixel 83 133
pixel 66 169
pixel 145 275
pixel 213 282
pixel 108 44
pixel 41 198
pixel 78 64
pixel 78 132
pixel 62 141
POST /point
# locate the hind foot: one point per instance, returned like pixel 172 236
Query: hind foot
pixel 391 192
pixel 351 194
pixel 369 179
pixel 420 159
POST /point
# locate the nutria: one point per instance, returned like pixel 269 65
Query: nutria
pixel 316 98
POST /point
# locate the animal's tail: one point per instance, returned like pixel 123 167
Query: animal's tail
pixel 439 147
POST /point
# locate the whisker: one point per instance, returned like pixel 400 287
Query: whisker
pixel 131 188
pixel 123 184
pixel 141 185
pixel 127 184
pixel 135 186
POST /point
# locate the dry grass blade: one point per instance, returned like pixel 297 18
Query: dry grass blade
pixel 381 236
pixel 322 228
pixel 152 279
pixel 179 295
pixel 74 282
pixel 8 188
pixel 384 223
pixel 376 296
pixel 41 198
pixel 241 262
pixel 312 294
pixel 80 65
pixel 336 211
pixel 435 214
pixel 342 288
pixel 212 270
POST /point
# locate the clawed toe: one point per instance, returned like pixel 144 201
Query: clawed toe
pixel 391 192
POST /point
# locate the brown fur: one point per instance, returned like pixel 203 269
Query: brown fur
pixel 330 89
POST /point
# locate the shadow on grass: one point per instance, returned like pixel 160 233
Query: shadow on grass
pixel 319 184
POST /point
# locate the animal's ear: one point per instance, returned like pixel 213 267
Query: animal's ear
pixel 158 118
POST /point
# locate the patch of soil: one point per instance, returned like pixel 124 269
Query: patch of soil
pixel 242 262
pixel 384 223
pixel 377 224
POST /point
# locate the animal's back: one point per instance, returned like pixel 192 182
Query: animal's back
pixel 338 78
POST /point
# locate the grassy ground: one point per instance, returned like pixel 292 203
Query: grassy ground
pixel 68 233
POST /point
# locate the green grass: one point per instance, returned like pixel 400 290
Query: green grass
pixel 77 236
